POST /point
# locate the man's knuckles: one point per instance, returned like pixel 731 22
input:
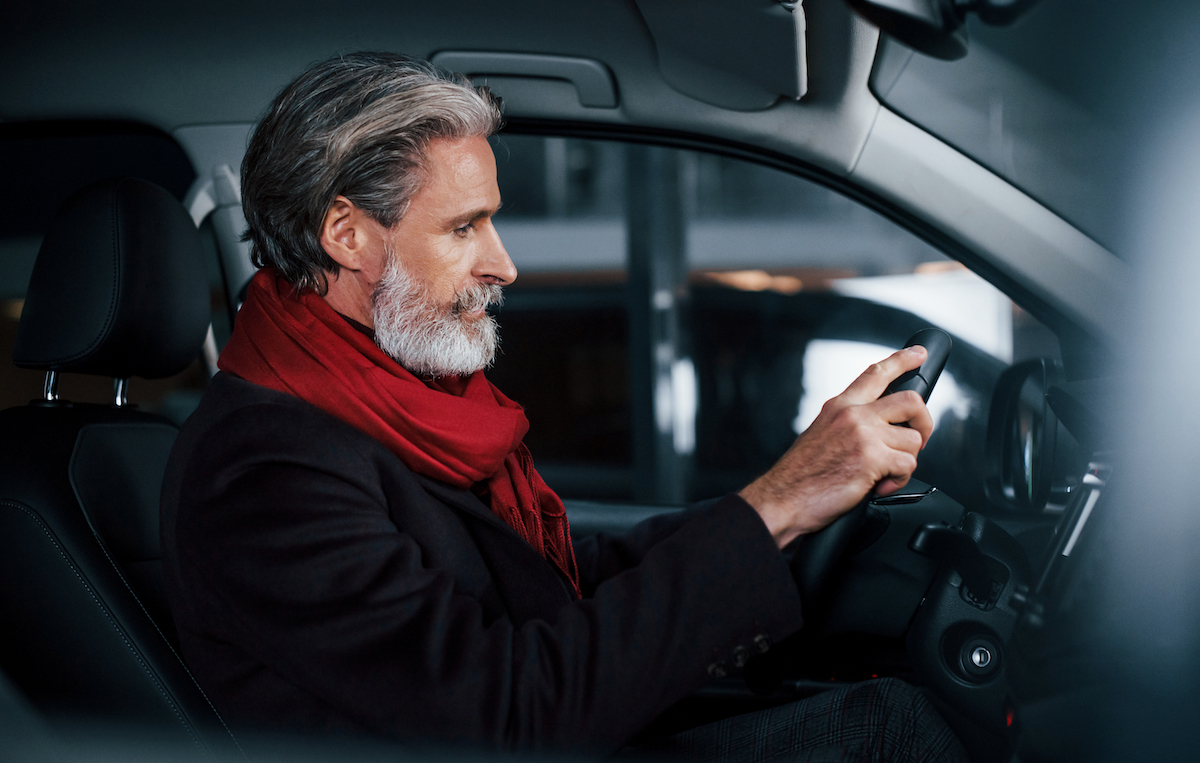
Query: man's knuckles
pixel 882 458
pixel 834 405
pixel 905 464
pixel 904 438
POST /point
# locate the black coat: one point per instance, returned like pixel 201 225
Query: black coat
pixel 317 583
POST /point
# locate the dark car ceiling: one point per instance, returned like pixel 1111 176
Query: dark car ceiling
pixel 203 72
pixel 177 64
pixel 173 65
pixel 70 65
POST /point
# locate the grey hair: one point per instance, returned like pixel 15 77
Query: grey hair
pixel 357 126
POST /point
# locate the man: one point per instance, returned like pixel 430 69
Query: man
pixel 356 538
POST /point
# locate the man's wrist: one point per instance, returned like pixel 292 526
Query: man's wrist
pixel 776 516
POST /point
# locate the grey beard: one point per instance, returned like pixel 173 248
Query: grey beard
pixel 430 339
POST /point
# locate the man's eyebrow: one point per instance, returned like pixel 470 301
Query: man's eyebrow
pixel 478 214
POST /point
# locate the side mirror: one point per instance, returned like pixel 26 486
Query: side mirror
pixel 1022 437
pixel 935 27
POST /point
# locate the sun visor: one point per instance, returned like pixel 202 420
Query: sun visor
pixel 737 54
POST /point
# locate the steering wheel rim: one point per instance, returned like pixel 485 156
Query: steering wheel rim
pixel 817 554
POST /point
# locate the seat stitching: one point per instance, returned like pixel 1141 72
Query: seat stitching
pixel 103 546
pixel 117 568
pixel 155 681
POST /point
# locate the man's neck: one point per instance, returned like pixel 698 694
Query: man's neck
pixel 361 328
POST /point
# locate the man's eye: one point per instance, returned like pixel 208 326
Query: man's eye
pixel 464 230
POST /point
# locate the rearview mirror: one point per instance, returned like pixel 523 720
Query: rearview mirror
pixel 935 27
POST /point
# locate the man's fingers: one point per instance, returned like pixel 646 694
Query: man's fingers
pixel 872 382
pixel 906 408
pixel 853 446
pixel 890 485
pixel 901 466
pixel 906 439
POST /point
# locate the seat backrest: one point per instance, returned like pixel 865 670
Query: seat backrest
pixel 119 289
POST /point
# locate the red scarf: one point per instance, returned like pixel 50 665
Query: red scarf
pixel 461 431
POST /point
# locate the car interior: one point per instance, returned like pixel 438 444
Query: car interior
pixel 135 305
pixel 721 212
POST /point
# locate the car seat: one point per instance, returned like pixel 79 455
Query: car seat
pixel 119 289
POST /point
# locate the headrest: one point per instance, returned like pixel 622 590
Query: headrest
pixel 119 287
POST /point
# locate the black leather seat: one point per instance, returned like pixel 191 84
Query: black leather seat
pixel 119 289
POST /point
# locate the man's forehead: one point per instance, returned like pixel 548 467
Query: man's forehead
pixel 460 178
pixel 458 155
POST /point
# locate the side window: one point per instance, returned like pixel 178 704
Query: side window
pixel 680 317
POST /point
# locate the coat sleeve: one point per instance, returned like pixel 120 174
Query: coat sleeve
pixel 603 555
pixel 282 546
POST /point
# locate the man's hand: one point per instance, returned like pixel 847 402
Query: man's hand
pixel 852 447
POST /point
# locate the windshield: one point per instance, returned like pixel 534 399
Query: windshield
pixel 1035 102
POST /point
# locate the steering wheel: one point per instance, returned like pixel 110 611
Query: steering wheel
pixel 818 553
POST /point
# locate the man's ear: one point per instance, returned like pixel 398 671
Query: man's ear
pixel 349 235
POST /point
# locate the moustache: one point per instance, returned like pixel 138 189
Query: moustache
pixel 477 297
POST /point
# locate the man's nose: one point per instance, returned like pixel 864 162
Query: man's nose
pixel 494 264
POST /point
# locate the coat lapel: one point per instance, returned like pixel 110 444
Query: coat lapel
pixel 464 500
pixel 530 586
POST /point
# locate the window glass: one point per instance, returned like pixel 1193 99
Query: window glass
pixel 680 317
pixel 1042 103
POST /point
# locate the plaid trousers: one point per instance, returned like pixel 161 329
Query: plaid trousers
pixel 881 720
